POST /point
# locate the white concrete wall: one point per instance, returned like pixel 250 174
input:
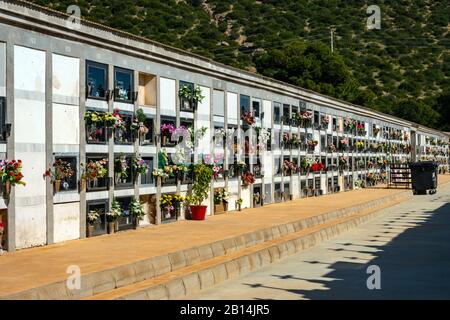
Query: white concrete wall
pixel 66 124
pixel 66 79
pixel 219 103
pixel 203 120
pixel 29 130
pixel 232 107
pixel 2 69
pixel 267 109
pixel 168 97
pixel 66 221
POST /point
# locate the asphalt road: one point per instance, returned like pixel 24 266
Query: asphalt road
pixel 410 243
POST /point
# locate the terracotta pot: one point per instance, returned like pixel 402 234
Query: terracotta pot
pixel 111 227
pixel 198 212
pixel 89 230
pixel 57 185
pixel 239 207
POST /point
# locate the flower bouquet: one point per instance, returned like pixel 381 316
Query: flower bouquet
pixel 11 174
pixel 59 171
pixel 248 118
pixel 248 178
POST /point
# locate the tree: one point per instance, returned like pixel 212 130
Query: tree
pixel 312 66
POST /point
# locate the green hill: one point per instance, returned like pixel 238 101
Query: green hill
pixel 402 69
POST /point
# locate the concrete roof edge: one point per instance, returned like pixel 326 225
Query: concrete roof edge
pixel 265 81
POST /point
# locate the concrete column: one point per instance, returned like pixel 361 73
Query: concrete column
pixel 49 142
pixel 11 215
pixel 111 140
pixel 82 145
pixel 136 141
pixel 211 133
pixel 158 148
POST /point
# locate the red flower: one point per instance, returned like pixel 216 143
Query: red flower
pixel 314 167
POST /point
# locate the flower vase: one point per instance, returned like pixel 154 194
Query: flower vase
pixel 57 185
pixel 83 185
pixel 89 230
pixel 136 223
pixel 111 227
pixel 7 188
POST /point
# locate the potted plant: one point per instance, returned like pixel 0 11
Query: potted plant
pixel 59 170
pixel 11 174
pixel 200 188
pixel 115 207
pixel 94 170
pixel 113 216
pixel 138 123
pixel 306 118
pixel 136 211
pixel 248 118
pixel 140 167
pixel 248 178
pixel 121 168
pixel 324 121
pixel 192 95
pixel 92 218
pixel 171 204
pixel 312 144
pixel 256 199
pixel 221 196
pixel 166 132
pixel 239 203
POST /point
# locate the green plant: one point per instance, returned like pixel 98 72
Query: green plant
pixel 239 201
pixel 136 209
pixel 202 180
pixel 115 212
pixel 191 93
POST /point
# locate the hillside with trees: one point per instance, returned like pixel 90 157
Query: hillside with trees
pixel 402 69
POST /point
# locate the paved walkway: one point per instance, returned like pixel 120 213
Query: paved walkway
pixel 410 242
pixel 30 268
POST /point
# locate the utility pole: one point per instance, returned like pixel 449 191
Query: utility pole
pixel 332 30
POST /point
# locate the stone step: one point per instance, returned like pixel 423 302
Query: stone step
pixel 189 280
pixel 179 262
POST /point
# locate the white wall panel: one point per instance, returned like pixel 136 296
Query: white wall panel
pixel 232 106
pixel 168 97
pixel 66 221
pixel 29 123
pixel 65 78
pixel 2 69
pixel 203 120
pixel 29 131
pixel 66 124
pixel 219 103
pixel 267 109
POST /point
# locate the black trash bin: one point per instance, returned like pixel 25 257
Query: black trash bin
pixel 424 176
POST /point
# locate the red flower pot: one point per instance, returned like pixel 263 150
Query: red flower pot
pixel 198 212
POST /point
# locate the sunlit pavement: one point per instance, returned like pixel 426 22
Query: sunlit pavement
pixel 410 243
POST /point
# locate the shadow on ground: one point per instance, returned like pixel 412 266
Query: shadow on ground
pixel 414 265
